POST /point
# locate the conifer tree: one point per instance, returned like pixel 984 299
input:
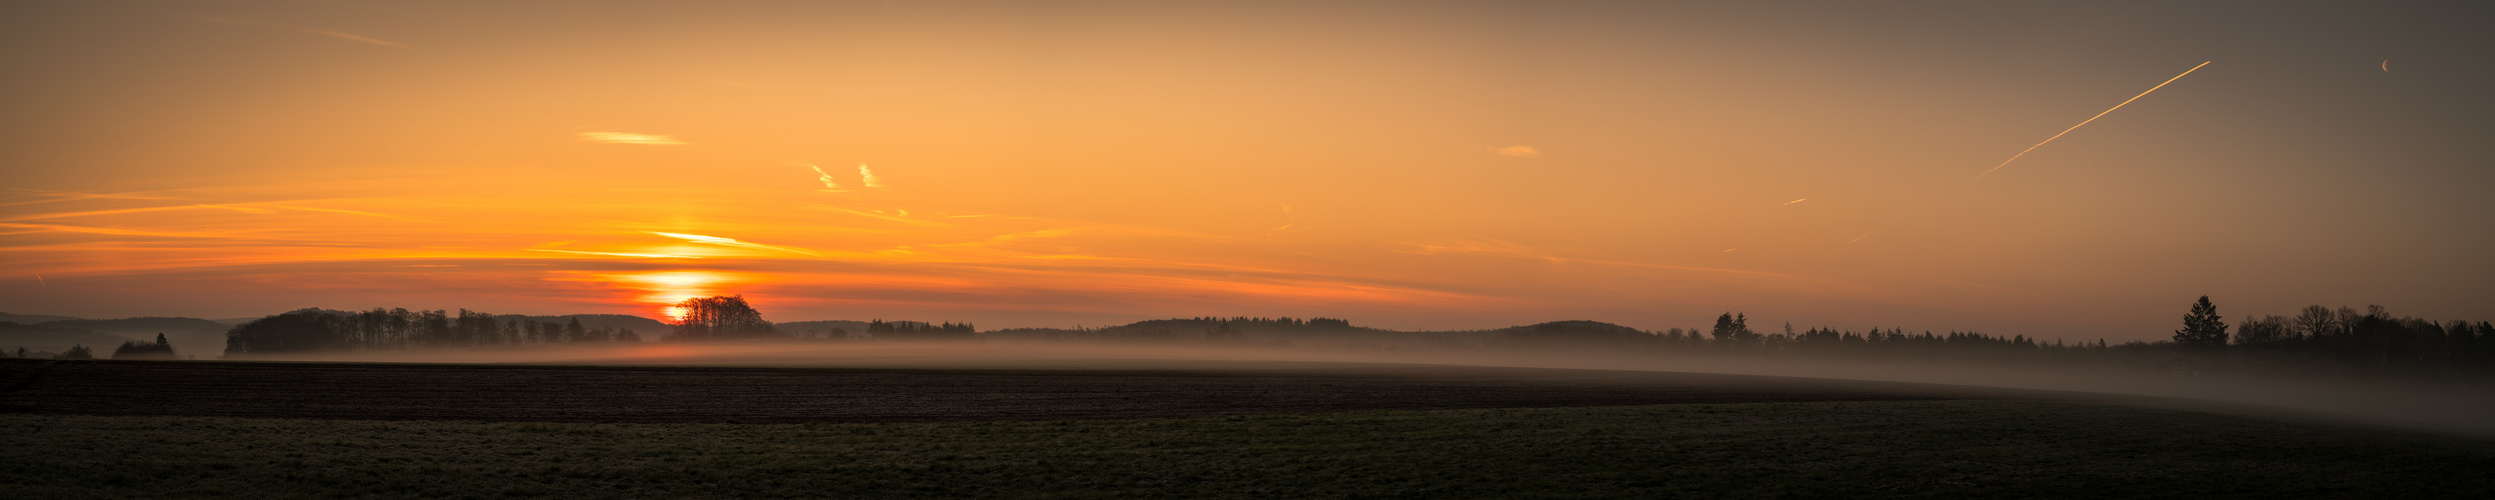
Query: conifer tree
pixel 2201 328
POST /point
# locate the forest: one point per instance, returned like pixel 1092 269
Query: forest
pixel 308 330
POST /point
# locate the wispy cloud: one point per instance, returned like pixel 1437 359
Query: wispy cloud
pixel 1512 250
pixel 348 212
pixel 617 254
pixel 347 36
pixel 114 231
pixel 1797 201
pixel 58 196
pixel 64 215
pixel 731 242
pixel 826 178
pixel 885 217
pixel 868 177
pixel 341 35
pixel 630 138
pixel 1527 152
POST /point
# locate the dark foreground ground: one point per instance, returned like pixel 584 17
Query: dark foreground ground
pixel 149 430
pixel 1859 449
pixel 796 395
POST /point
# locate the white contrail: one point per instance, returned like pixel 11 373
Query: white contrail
pixel 2005 163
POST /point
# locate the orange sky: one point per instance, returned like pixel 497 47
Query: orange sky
pixel 1404 165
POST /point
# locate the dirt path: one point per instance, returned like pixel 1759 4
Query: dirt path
pixel 721 394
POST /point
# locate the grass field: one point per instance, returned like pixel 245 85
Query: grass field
pixel 1944 448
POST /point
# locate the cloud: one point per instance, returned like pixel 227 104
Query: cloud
pixel 731 242
pixel 347 36
pixel 348 212
pixel 1798 200
pixel 1498 248
pixel 341 35
pixel 60 196
pixel 1526 152
pixel 868 177
pixel 826 178
pixel 617 254
pixel 630 138
pixel 115 231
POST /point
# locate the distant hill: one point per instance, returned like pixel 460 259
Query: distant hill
pixel 1568 333
pixel 820 329
pixel 34 339
pixel 149 325
pixel 189 336
pixel 29 319
pixel 1289 331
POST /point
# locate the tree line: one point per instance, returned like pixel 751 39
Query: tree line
pixel 913 330
pixel 377 329
pixel 2317 340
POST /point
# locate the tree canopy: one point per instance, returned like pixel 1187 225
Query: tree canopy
pixel 719 318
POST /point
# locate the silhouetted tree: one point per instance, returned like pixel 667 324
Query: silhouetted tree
pixel 160 349
pixel 303 330
pixel 716 318
pixel 2201 328
pixel 1733 330
pixel 76 352
pixel 913 330
pixel 2315 321
pixel 2264 330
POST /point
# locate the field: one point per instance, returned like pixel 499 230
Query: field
pixel 609 394
pixel 1351 432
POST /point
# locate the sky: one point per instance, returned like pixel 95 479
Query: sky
pixel 1404 165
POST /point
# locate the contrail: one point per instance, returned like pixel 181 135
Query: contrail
pixel 2005 163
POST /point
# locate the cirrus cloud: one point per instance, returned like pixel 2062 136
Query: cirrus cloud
pixel 630 138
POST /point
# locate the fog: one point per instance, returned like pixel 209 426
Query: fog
pixel 2445 409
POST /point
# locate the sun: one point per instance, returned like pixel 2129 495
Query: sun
pixel 662 290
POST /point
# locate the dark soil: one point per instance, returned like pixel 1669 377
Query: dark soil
pixel 788 395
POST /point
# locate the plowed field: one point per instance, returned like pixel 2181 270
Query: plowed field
pixel 773 395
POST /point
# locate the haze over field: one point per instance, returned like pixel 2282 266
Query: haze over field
pixel 1411 166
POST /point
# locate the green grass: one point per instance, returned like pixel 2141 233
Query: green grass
pixel 1853 449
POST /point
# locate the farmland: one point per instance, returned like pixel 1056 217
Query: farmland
pixel 289 429
pixel 614 394
pixel 1893 448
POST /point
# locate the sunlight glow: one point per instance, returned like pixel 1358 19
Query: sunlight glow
pixel 630 138
pixel 662 290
